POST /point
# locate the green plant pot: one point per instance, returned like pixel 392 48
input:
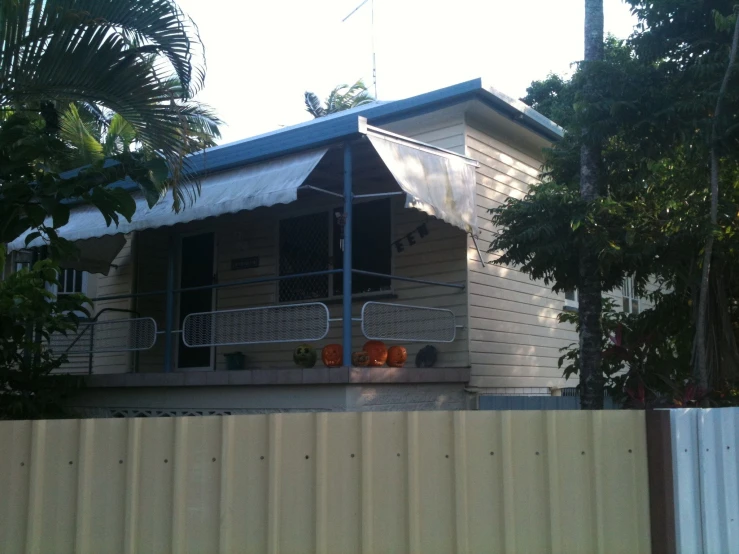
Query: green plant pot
pixel 235 361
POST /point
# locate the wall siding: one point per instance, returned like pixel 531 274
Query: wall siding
pixel 515 336
pixel 118 281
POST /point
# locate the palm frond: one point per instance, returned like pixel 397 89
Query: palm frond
pixel 313 105
pixel 119 55
pixel 342 97
pixel 80 136
pixel 119 137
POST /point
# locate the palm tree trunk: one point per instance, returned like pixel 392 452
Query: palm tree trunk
pixel 589 292
pixel 701 370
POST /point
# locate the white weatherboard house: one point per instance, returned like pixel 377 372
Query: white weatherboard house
pixel 389 200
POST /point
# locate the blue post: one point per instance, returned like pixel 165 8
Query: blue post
pixel 169 309
pixel 347 301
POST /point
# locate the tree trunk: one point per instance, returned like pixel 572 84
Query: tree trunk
pixel 701 370
pixel 589 291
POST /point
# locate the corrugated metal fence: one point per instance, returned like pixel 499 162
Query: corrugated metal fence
pixel 705 459
pixel 333 483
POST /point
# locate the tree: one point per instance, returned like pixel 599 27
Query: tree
pixel 589 287
pixel 140 59
pixel 650 104
pixel 343 97
pixel 72 72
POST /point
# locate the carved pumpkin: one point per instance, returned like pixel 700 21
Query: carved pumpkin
pixel 360 359
pixel 377 352
pixel 396 356
pixel 332 355
pixel 305 355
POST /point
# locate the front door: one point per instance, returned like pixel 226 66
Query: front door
pixel 196 269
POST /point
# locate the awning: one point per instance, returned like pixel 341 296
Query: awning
pixel 437 182
pixel 97 254
pixel 265 184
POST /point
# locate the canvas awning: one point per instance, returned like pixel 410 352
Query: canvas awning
pixel 264 184
pixel 437 182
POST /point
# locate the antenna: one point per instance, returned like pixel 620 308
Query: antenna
pixel 372 37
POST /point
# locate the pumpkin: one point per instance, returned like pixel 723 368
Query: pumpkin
pixel 305 355
pixel 332 355
pixel 377 352
pixel 396 356
pixel 360 359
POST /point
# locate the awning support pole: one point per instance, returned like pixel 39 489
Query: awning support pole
pixel 324 191
pixel 347 275
pixel 380 194
pixel 169 320
pixel 474 239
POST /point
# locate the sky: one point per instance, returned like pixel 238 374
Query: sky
pixel 263 55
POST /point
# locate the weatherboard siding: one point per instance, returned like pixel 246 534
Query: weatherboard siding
pixel 515 336
pixel 446 132
pixel 119 281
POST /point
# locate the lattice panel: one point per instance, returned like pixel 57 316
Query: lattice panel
pixel 271 324
pixel 400 322
pixel 119 335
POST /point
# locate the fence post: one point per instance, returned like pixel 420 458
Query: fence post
pixel 661 491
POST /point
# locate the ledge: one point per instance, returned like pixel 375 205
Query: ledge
pixel 292 376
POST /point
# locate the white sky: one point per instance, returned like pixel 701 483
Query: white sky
pixel 262 55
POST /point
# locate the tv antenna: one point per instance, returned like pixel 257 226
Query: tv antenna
pixel 372 38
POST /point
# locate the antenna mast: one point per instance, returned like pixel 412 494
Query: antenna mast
pixel 372 38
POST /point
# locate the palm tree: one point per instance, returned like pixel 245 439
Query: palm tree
pixel 140 59
pixel 343 97
pixel 589 291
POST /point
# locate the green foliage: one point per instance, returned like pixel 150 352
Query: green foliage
pixel 67 64
pixel 650 105
pixel 29 315
pixel 641 354
pixel 106 85
pixel 343 97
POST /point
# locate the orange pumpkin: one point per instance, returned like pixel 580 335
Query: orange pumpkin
pixel 377 352
pixel 332 355
pixel 396 356
pixel 360 359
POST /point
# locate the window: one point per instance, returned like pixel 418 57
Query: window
pixel 630 300
pixel 571 300
pixel 71 281
pixel 304 249
pixel 22 260
pixel 370 247
pixel 315 243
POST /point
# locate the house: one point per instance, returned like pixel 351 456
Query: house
pixel 399 193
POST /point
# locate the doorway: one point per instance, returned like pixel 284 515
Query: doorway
pixel 197 259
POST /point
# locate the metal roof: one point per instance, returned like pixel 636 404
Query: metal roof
pixel 343 125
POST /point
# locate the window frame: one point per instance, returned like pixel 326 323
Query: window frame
pixel 330 209
pixel 62 279
pixel 627 287
pixel 572 304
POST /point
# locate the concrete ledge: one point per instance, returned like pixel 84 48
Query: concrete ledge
pixel 291 376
